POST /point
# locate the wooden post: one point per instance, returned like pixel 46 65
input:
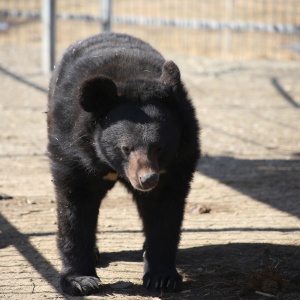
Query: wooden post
pixel 106 15
pixel 48 33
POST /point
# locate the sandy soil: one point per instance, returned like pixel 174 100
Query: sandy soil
pixel 248 183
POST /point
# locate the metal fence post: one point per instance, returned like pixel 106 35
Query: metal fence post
pixel 106 15
pixel 48 33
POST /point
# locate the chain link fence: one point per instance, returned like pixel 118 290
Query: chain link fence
pixel 229 29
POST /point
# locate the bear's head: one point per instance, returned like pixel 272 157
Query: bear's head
pixel 137 130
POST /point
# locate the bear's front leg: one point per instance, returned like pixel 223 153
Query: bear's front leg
pixel 77 220
pixel 162 211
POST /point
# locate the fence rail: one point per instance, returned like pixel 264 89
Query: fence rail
pixel 181 23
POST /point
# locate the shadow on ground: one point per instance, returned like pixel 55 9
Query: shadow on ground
pixel 210 272
pixel 9 235
pixel 23 80
pixel 273 182
pixel 221 271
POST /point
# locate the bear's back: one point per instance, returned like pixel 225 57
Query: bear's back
pixel 117 56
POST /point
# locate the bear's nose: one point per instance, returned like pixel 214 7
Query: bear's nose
pixel 149 180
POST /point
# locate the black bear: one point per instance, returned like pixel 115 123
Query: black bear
pixel 119 112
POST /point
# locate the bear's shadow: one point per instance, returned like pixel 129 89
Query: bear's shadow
pixel 128 256
pixel 216 270
pixel 208 270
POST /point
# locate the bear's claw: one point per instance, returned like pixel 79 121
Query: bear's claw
pixel 167 282
pixel 80 285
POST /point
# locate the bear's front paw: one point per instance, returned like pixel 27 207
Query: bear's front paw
pixel 166 281
pixel 80 285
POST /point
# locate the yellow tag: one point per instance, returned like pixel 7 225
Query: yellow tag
pixel 163 171
pixel 111 176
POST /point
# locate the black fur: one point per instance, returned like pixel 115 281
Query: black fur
pixel 116 106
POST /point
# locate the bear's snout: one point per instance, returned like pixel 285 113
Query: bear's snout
pixel 142 170
pixel 149 180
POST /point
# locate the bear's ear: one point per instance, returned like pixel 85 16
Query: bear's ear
pixel 97 94
pixel 170 74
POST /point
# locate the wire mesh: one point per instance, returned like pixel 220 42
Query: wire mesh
pixel 217 28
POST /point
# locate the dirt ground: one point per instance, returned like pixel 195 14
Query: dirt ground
pixel 240 237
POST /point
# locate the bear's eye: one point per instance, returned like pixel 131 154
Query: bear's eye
pixel 159 148
pixel 126 150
